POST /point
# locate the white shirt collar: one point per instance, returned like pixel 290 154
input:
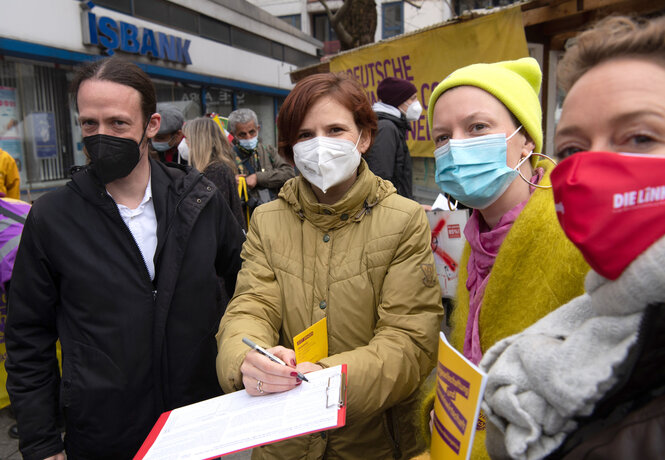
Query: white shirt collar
pixel 147 196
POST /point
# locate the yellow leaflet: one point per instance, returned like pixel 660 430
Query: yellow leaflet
pixel 459 390
pixel 312 343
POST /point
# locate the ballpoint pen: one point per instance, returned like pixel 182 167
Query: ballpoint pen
pixel 269 355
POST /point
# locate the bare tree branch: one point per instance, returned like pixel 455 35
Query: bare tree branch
pixel 335 21
pixel 341 12
pixel 412 3
pixel 330 14
pixel 354 22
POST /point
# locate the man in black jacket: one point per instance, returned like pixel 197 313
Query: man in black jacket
pixel 121 265
pixel 389 157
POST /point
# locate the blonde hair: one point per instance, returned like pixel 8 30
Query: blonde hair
pixel 207 144
pixel 610 38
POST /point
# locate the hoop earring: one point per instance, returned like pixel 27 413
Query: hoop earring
pixel 450 206
pixel 517 168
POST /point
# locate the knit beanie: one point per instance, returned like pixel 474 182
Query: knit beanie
pixel 393 91
pixel 515 83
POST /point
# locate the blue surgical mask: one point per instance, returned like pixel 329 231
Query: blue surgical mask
pixel 249 144
pixel 474 170
pixel 161 146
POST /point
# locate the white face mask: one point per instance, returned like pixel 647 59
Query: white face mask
pixel 183 150
pixel 414 111
pixel 325 161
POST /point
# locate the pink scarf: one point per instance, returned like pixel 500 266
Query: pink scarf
pixel 485 243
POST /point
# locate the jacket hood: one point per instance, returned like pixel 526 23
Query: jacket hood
pixel 366 192
pixel 382 107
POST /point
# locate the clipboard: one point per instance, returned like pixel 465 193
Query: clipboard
pixel 238 421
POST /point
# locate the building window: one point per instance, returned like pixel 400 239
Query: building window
pixel 153 10
pixel 124 6
pixel 219 101
pixel 292 19
pixel 296 57
pixel 392 19
pixel 321 28
pixel 186 98
pixel 246 40
pixel 215 30
pixel 35 121
pixel 168 13
pixel 184 19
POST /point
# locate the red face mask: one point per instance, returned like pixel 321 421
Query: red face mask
pixel 611 206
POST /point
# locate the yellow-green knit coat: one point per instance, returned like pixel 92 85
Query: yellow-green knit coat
pixel 536 271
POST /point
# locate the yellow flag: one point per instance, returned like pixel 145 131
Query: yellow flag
pixel 222 122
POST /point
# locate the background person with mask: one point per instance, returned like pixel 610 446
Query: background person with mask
pixel 168 139
pixel 106 265
pixel 340 244
pixel 211 153
pixel 263 169
pixel 517 265
pixel 389 157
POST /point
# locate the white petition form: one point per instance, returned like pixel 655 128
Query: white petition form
pixel 238 421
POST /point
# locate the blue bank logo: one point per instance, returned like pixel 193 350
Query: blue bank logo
pixel 115 35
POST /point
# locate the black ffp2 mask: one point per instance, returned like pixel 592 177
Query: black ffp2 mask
pixel 112 157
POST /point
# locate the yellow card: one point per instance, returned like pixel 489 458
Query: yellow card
pixel 312 343
pixel 459 390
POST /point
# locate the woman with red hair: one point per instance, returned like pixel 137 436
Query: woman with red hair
pixel 339 244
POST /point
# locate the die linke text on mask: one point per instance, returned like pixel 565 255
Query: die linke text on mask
pixel 639 197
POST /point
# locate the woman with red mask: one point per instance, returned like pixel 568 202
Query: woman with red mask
pixel 586 381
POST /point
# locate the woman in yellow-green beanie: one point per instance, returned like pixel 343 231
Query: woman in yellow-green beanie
pixel 517 265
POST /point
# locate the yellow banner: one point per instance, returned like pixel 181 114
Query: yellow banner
pixel 459 390
pixel 427 57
